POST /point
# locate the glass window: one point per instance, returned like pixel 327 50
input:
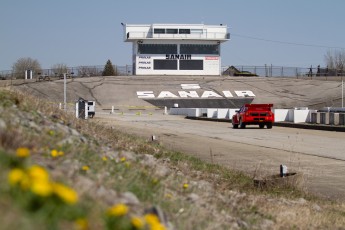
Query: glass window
pixel 199 49
pixel 191 64
pixel 172 31
pixel 184 31
pixel 159 31
pixel 165 64
pixel 157 49
pixel 196 31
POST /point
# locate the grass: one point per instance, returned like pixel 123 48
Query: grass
pixel 225 198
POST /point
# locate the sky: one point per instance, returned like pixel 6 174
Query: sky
pixel 293 33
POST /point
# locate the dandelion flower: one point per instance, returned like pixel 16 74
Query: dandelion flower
pixel 151 218
pixel 22 152
pixel 127 164
pixel 37 173
pixel 51 132
pixel 137 222
pixel 154 181
pixel 42 188
pixel 85 168
pixel 104 158
pixel 154 223
pixel 65 193
pixel 81 224
pixel 118 210
pixel 54 153
pixel 185 185
pixel 123 159
pixel 15 176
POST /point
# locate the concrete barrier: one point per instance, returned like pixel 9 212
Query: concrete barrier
pixel 223 113
pixel 313 117
pixel 341 118
pixel 212 113
pixel 281 115
pixel 292 115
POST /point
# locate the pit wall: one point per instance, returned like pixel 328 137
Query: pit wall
pixel 296 115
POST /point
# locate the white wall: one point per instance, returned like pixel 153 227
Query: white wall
pixel 281 115
pixel 301 116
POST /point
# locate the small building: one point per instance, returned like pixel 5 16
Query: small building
pixel 176 49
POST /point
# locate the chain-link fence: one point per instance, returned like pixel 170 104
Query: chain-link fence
pixel 80 71
pixel 281 71
pixel 262 71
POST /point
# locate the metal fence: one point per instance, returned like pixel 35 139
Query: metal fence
pixel 262 71
pixel 80 71
pixel 280 71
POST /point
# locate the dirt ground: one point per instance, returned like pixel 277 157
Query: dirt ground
pixel 318 155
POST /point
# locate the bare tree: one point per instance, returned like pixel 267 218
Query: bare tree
pixel 335 61
pixel 23 64
pixel 59 69
pixel 88 71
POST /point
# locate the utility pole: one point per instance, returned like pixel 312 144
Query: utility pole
pixel 342 92
pixel 64 91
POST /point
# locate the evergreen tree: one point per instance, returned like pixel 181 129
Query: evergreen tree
pixel 108 69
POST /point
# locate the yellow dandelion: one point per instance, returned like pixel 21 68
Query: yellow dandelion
pixel 22 152
pixel 37 173
pixel 185 185
pixel 123 159
pixel 154 181
pixel 65 193
pixel 85 168
pixel 104 158
pixel 151 219
pixel 118 210
pixel 15 176
pixel 54 153
pixel 81 224
pixel 51 132
pixel 137 222
pixel 168 196
pixel 41 188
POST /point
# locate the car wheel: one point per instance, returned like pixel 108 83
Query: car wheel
pixel 269 126
pixel 235 126
pixel 262 126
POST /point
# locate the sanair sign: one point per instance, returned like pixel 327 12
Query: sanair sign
pixel 194 94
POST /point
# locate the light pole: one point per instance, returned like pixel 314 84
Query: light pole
pixel 342 91
pixel 64 91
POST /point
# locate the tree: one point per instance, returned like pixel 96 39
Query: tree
pixel 23 64
pixel 335 61
pixel 59 68
pixel 108 69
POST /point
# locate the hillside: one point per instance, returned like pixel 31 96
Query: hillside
pixel 121 91
pixel 113 180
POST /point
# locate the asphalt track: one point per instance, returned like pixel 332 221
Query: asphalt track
pixel 317 155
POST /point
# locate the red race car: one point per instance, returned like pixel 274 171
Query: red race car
pixel 253 114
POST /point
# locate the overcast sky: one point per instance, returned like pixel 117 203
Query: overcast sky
pixel 294 33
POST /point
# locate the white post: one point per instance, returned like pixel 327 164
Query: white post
pixel 112 109
pixel 342 94
pixel 60 106
pixel 64 91
pixel 165 110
